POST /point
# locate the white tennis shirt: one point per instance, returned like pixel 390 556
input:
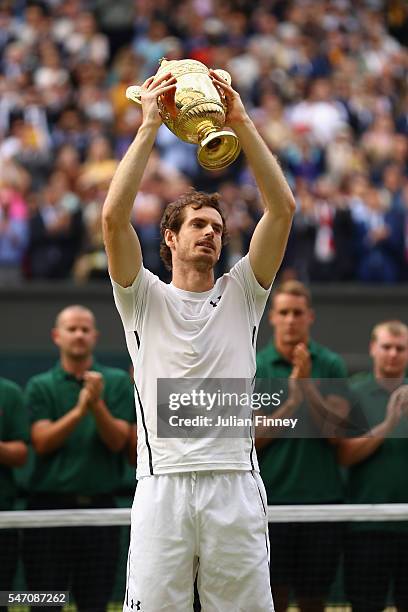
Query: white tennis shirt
pixel 172 333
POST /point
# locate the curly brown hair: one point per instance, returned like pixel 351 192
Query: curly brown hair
pixel 174 216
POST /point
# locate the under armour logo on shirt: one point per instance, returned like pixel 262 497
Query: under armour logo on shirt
pixel 214 304
pixel 135 605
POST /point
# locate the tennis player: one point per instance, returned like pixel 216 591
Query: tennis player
pixel 200 505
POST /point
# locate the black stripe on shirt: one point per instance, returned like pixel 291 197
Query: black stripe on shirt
pixel 252 446
pixel 149 450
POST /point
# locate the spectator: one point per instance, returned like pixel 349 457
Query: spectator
pixel 321 245
pixel 326 83
pixel 393 182
pixel 127 124
pixel 70 129
pixel 6 27
pixel 304 556
pixel 300 251
pixel 35 25
pixel 333 257
pixel 80 421
pixel 92 262
pixel 147 213
pixel 50 71
pixel 65 16
pixel 404 230
pixel 123 73
pixel 402 119
pixel 96 105
pixel 99 161
pixel 241 221
pixel 151 47
pixel 341 156
pixel 377 142
pixel 319 113
pixel 67 161
pixel 14 436
pixel 27 142
pixel 176 153
pixel 303 158
pixel 269 117
pixel 116 20
pixel 56 231
pixel 378 239
pixel 85 42
pixel 13 237
pixel 376 554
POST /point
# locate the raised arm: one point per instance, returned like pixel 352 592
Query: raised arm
pixel 271 234
pixel 121 242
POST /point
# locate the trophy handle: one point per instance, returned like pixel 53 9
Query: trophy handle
pixel 133 93
pixel 224 75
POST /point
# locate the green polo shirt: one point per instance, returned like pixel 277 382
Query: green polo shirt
pixel 83 464
pixel 300 471
pixel 382 477
pixel 13 426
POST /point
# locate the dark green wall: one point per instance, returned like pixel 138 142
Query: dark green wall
pixel 344 317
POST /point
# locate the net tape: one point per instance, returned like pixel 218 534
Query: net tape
pixel 276 514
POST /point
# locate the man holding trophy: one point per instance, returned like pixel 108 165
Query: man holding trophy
pixel 200 505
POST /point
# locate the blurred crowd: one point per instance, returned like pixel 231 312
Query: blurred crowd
pixel 325 82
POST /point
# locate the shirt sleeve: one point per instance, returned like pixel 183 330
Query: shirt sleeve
pixel 255 294
pixel 17 423
pixel 36 403
pixel 120 398
pixel 260 369
pixel 131 301
pixel 358 423
pixel 337 368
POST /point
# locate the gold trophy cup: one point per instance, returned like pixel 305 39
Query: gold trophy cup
pixel 201 112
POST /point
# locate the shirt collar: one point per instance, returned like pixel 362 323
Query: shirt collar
pixel 62 374
pixel 373 387
pixel 276 357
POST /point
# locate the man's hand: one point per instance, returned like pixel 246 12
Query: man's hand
pixel 404 400
pixel 302 363
pixel 236 112
pixel 84 401
pixel 93 384
pixel 153 88
pixel 295 397
pixel 397 407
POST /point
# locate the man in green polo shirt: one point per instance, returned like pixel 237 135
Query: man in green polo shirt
pixel 80 413
pixel 304 556
pixel 14 436
pixel 376 554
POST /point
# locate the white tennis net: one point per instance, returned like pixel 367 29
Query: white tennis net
pixel 23 524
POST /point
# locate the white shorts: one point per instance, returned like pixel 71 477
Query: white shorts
pixel 212 524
